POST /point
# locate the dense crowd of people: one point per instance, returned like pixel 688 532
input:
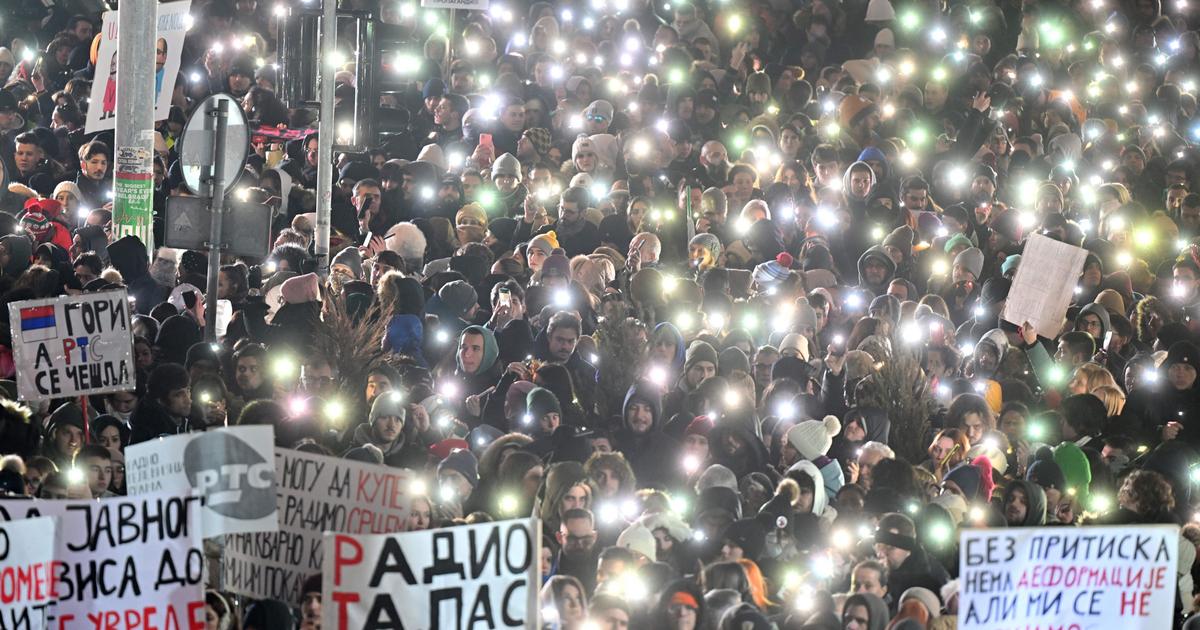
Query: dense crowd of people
pixel 712 289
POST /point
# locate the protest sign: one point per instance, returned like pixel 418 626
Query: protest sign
pixel 124 562
pixel 232 469
pixel 474 576
pixel 26 571
pixel 1044 284
pixel 173 24
pixel 1068 577
pixel 315 494
pixel 72 345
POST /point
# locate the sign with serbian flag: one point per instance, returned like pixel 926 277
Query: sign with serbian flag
pixel 73 345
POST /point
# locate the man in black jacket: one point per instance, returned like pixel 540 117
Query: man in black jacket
pixel 651 453
pixel 558 345
pixel 167 405
pixel 907 563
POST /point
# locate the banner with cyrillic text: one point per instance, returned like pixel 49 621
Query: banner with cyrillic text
pixel 232 469
pixel 72 345
pixel 26 571
pixel 1068 577
pixel 472 576
pixel 314 494
pixel 123 563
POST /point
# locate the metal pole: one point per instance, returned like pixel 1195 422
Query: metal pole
pixel 133 189
pixel 216 192
pixel 327 132
pixel 450 35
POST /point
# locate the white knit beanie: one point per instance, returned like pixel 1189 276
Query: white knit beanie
pixel 639 538
pixel 812 438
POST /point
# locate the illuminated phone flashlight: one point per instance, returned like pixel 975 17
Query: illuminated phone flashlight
pixel 911 333
pixel 716 321
pixel 335 410
pixel 608 513
pixel 284 368
pixel 657 375
pixel 298 406
pixel 841 538
pixel 939 533
pixel 205 397
pixel 75 475
pixel 446 493
pixel 449 389
pixel 822 565
pixel 508 504
pixel 854 301
pixel 418 487
pixel 691 463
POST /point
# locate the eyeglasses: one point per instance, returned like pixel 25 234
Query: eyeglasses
pixel 580 540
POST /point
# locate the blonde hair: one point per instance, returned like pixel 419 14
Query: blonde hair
pixel 1113 398
pixel 586 273
pixel 1116 190
pixel 1095 376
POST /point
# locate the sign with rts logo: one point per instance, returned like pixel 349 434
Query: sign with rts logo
pixel 232 469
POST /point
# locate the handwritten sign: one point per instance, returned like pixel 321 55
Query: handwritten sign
pixel 124 562
pixel 173 24
pixel 474 576
pixel 232 468
pixel 1067 577
pixel 1044 284
pixel 315 494
pixel 72 345
pixel 26 571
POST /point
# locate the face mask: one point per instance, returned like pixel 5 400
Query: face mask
pixel 123 417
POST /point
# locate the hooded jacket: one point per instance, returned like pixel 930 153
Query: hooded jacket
pixel 753 456
pixel 128 255
pixel 489 368
pixel 820 497
pixel 875 251
pixel 1035 502
pixel 1100 312
pixel 652 455
pixel 876 609
pixel 669 329
pixel 405 334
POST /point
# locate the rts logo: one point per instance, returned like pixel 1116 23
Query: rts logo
pixel 236 481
